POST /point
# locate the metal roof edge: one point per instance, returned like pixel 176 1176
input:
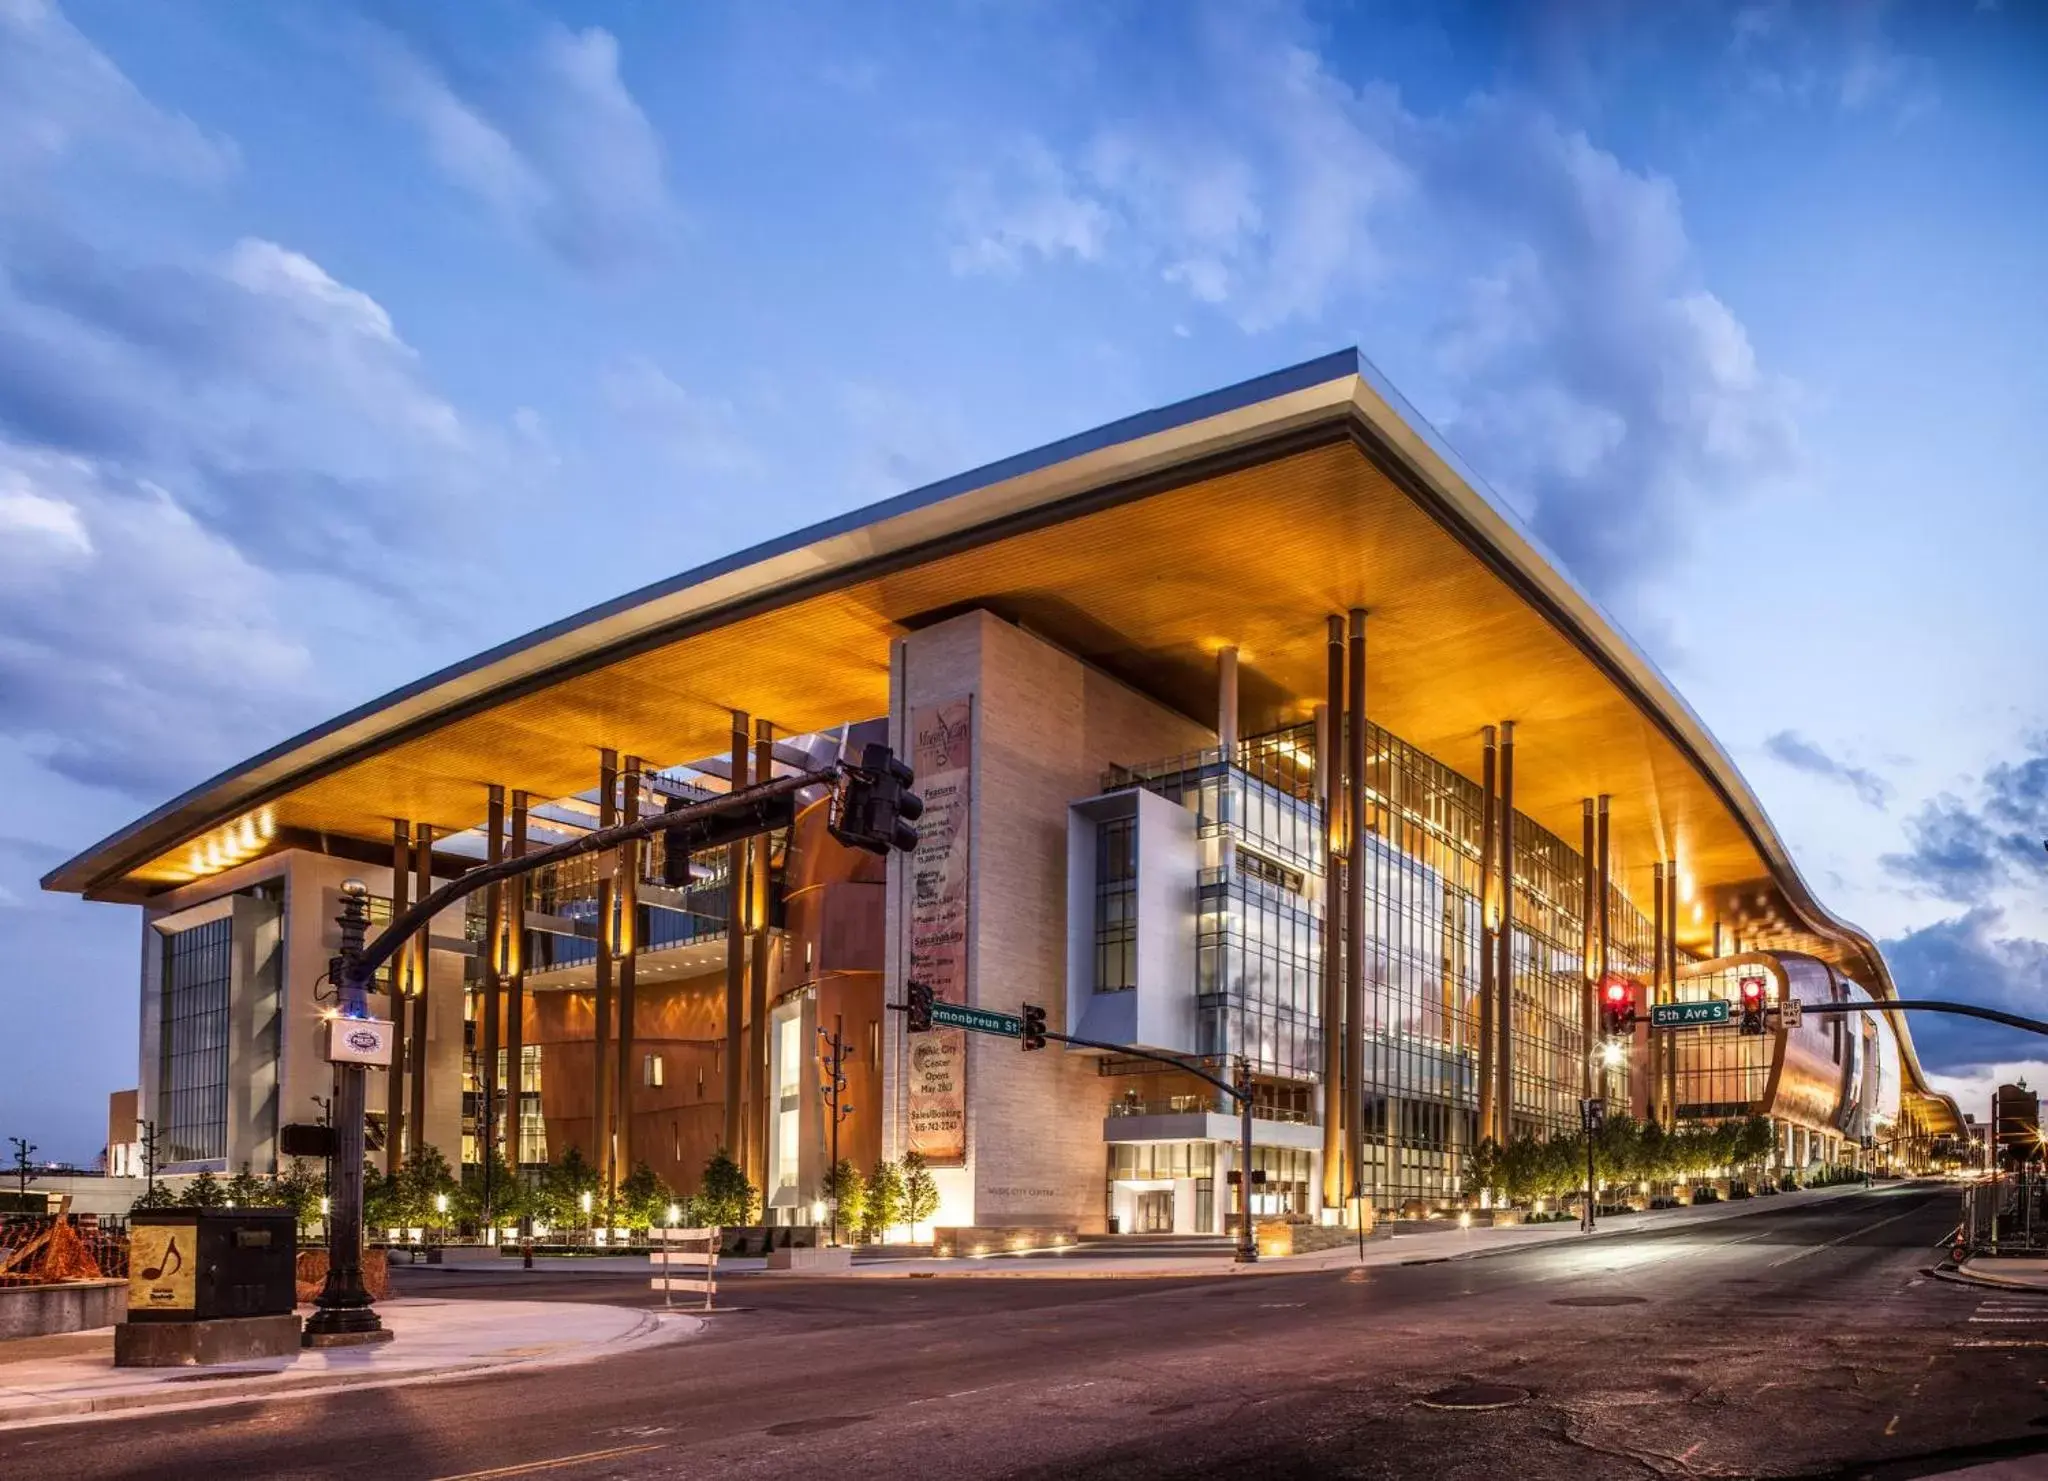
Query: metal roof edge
pixel 1432 457
pixel 450 685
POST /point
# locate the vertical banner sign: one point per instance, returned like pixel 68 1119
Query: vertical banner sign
pixel 942 754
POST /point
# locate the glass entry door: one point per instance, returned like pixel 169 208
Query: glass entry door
pixel 1155 1212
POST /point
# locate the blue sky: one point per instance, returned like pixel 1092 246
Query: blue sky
pixel 337 342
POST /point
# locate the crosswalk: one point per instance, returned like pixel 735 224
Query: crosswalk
pixel 2017 1320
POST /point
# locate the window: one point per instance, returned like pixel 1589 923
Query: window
pixel 192 1083
pixel 1116 905
pixel 652 1072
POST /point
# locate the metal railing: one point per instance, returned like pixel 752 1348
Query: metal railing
pixel 2005 1215
pixel 24 1246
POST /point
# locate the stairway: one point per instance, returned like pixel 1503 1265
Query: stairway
pixel 1172 1246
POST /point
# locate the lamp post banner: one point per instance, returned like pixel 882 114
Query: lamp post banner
pixel 942 755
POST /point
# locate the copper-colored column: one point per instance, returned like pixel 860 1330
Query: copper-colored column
pixel 1605 917
pixel 515 993
pixel 1657 987
pixel 601 1145
pixel 758 1046
pixel 1671 987
pixel 1489 838
pixel 1589 950
pixel 1504 970
pixel 1354 908
pixel 423 886
pixel 736 962
pixel 629 962
pixel 492 981
pixel 1330 783
pixel 394 1078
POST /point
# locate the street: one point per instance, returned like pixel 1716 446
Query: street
pixel 1801 1342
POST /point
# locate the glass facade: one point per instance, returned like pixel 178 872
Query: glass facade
pixel 1116 905
pixel 1259 948
pixel 192 1074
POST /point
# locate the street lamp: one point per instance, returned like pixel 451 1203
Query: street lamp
pixel 343 1313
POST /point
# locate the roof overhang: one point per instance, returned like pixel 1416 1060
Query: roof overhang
pixel 1026 536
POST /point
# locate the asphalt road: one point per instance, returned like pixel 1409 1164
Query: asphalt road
pixel 1793 1342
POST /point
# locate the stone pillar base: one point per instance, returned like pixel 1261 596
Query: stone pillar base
pixel 228 1339
pixel 347 1339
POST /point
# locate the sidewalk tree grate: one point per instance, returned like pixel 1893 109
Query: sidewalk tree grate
pixel 1601 1301
pixel 1476 1396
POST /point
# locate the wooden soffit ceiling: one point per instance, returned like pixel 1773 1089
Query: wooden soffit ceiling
pixel 1148 588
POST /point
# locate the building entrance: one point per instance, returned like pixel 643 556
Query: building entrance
pixel 1155 1212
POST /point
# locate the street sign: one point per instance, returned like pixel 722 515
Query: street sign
pixel 1688 1015
pixel 977 1020
pixel 1788 1013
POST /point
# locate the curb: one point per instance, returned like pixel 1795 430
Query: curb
pixel 250 1388
pixel 1956 1276
pixel 1283 1264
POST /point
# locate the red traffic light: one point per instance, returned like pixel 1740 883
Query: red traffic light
pixel 1752 991
pixel 1617 993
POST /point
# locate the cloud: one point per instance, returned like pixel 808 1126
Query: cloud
pixel 213 454
pixel 1801 754
pixel 1968 959
pixel 561 150
pixel 60 98
pixel 279 403
pixel 698 433
pixel 1963 851
pixel 1585 367
pixel 137 648
pixel 1024 206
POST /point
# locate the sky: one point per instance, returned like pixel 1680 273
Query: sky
pixel 341 341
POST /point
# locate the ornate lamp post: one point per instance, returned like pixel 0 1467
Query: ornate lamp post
pixel 344 1314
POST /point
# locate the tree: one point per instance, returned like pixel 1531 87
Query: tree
pixel 298 1188
pixel 153 1195
pixel 882 1209
pixel 920 1191
pixel 510 1198
pixel 1483 1173
pixel 644 1199
pixel 726 1198
pixel 421 1183
pixel 203 1191
pixel 246 1190
pixel 848 1192
pixel 556 1198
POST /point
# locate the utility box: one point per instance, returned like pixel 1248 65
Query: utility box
pixel 203 1264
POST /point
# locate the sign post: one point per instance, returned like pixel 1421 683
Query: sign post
pixel 1592 1116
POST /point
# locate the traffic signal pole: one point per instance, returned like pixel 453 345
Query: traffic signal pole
pixel 1238 1088
pixel 343 1310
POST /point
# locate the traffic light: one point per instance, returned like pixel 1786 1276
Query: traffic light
pixel 1034 1026
pixel 1617 1007
pixel 1752 1005
pixel 875 809
pixel 920 1004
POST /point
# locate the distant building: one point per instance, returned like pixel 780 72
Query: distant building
pixel 2016 1123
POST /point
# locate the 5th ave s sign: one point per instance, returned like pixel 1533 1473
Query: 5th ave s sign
pixel 1689 1015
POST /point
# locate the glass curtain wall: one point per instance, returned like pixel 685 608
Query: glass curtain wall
pixel 192 1075
pixel 1259 948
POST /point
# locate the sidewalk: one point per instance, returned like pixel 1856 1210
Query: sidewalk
pixel 2012 1272
pixel 1397 1249
pixel 49 1379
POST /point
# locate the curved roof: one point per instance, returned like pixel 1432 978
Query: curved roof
pixel 1243 516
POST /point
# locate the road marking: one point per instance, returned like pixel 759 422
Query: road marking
pixel 2005 1342
pixel 1852 1234
pixel 1893 1427
pixel 2011 1320
pixel 550 1465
